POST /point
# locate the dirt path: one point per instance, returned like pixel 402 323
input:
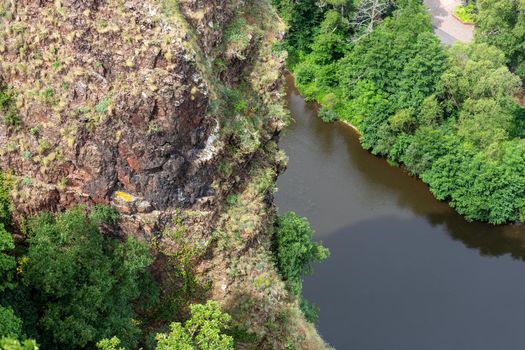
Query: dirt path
pixel 446 26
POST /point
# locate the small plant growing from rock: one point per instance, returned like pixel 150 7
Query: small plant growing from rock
pixel 27 182
pixel 8 108
pixel 231 199
pixel 34 131
pixel 225 169
pixel 48 96
pixel 27 155
pixel 103 106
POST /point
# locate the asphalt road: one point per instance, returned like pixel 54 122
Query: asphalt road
pixel 446 26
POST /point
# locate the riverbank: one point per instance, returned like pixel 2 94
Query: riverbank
pixel 352 126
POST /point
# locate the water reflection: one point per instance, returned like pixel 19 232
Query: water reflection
pixel 396 279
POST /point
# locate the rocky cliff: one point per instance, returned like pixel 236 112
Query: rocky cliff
pixel 170 111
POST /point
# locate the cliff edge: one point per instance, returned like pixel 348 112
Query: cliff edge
pixel 170 111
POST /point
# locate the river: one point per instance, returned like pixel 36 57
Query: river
pixel 406 272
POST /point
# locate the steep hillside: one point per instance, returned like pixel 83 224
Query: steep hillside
pixel 169 111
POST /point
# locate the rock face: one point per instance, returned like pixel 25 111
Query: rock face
pixel 169 110
pixel 208 18
pixel 115 96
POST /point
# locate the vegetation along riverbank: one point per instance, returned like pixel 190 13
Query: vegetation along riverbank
pixel 447 114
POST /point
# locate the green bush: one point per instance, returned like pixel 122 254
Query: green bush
pixel 10 324
pixel 295 251
pixel 203 331
pixel 501 23
pixel 5 201
pixel 237 37
pixel 303 18
pixel 466 14
pixel 327 115
pixel 309 310
pixel 8 108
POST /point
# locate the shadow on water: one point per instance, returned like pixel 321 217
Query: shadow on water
pixel 397 277
pixel 388 285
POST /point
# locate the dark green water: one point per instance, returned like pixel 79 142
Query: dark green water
pixel 406 271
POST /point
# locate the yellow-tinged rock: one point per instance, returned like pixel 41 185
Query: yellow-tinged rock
pixel 125 197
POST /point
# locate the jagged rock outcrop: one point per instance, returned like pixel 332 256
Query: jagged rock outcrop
pixel 115 96
pixel 209 18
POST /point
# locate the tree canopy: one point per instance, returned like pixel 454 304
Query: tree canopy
pixel 69 250
pixel 10 323
pixel 74 285
pixel 295 251
pixel 501 23
pixel 204 330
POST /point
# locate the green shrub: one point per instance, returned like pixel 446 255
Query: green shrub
pixel 34 131
pixel 103 106
pixel 327 115
pixel 48 96
pixel 225 168
pixel 309 310
pixel 7 262
pixel 237 37
pixel 231 199
pixel 5 201
pixel 109 344
pixel 467 13
pixel 8 108
pixel 10 324
pixel 501 23
pixel 294 250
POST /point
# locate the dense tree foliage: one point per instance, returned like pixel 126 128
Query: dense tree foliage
pixel 74 285
pixel 502 23
pixel 448 115
pixel 15 344
pixel 69 250
pixel 203 331
pixel 303 17
pixel 10 323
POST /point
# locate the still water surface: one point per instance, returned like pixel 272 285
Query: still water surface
pixel 406 272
